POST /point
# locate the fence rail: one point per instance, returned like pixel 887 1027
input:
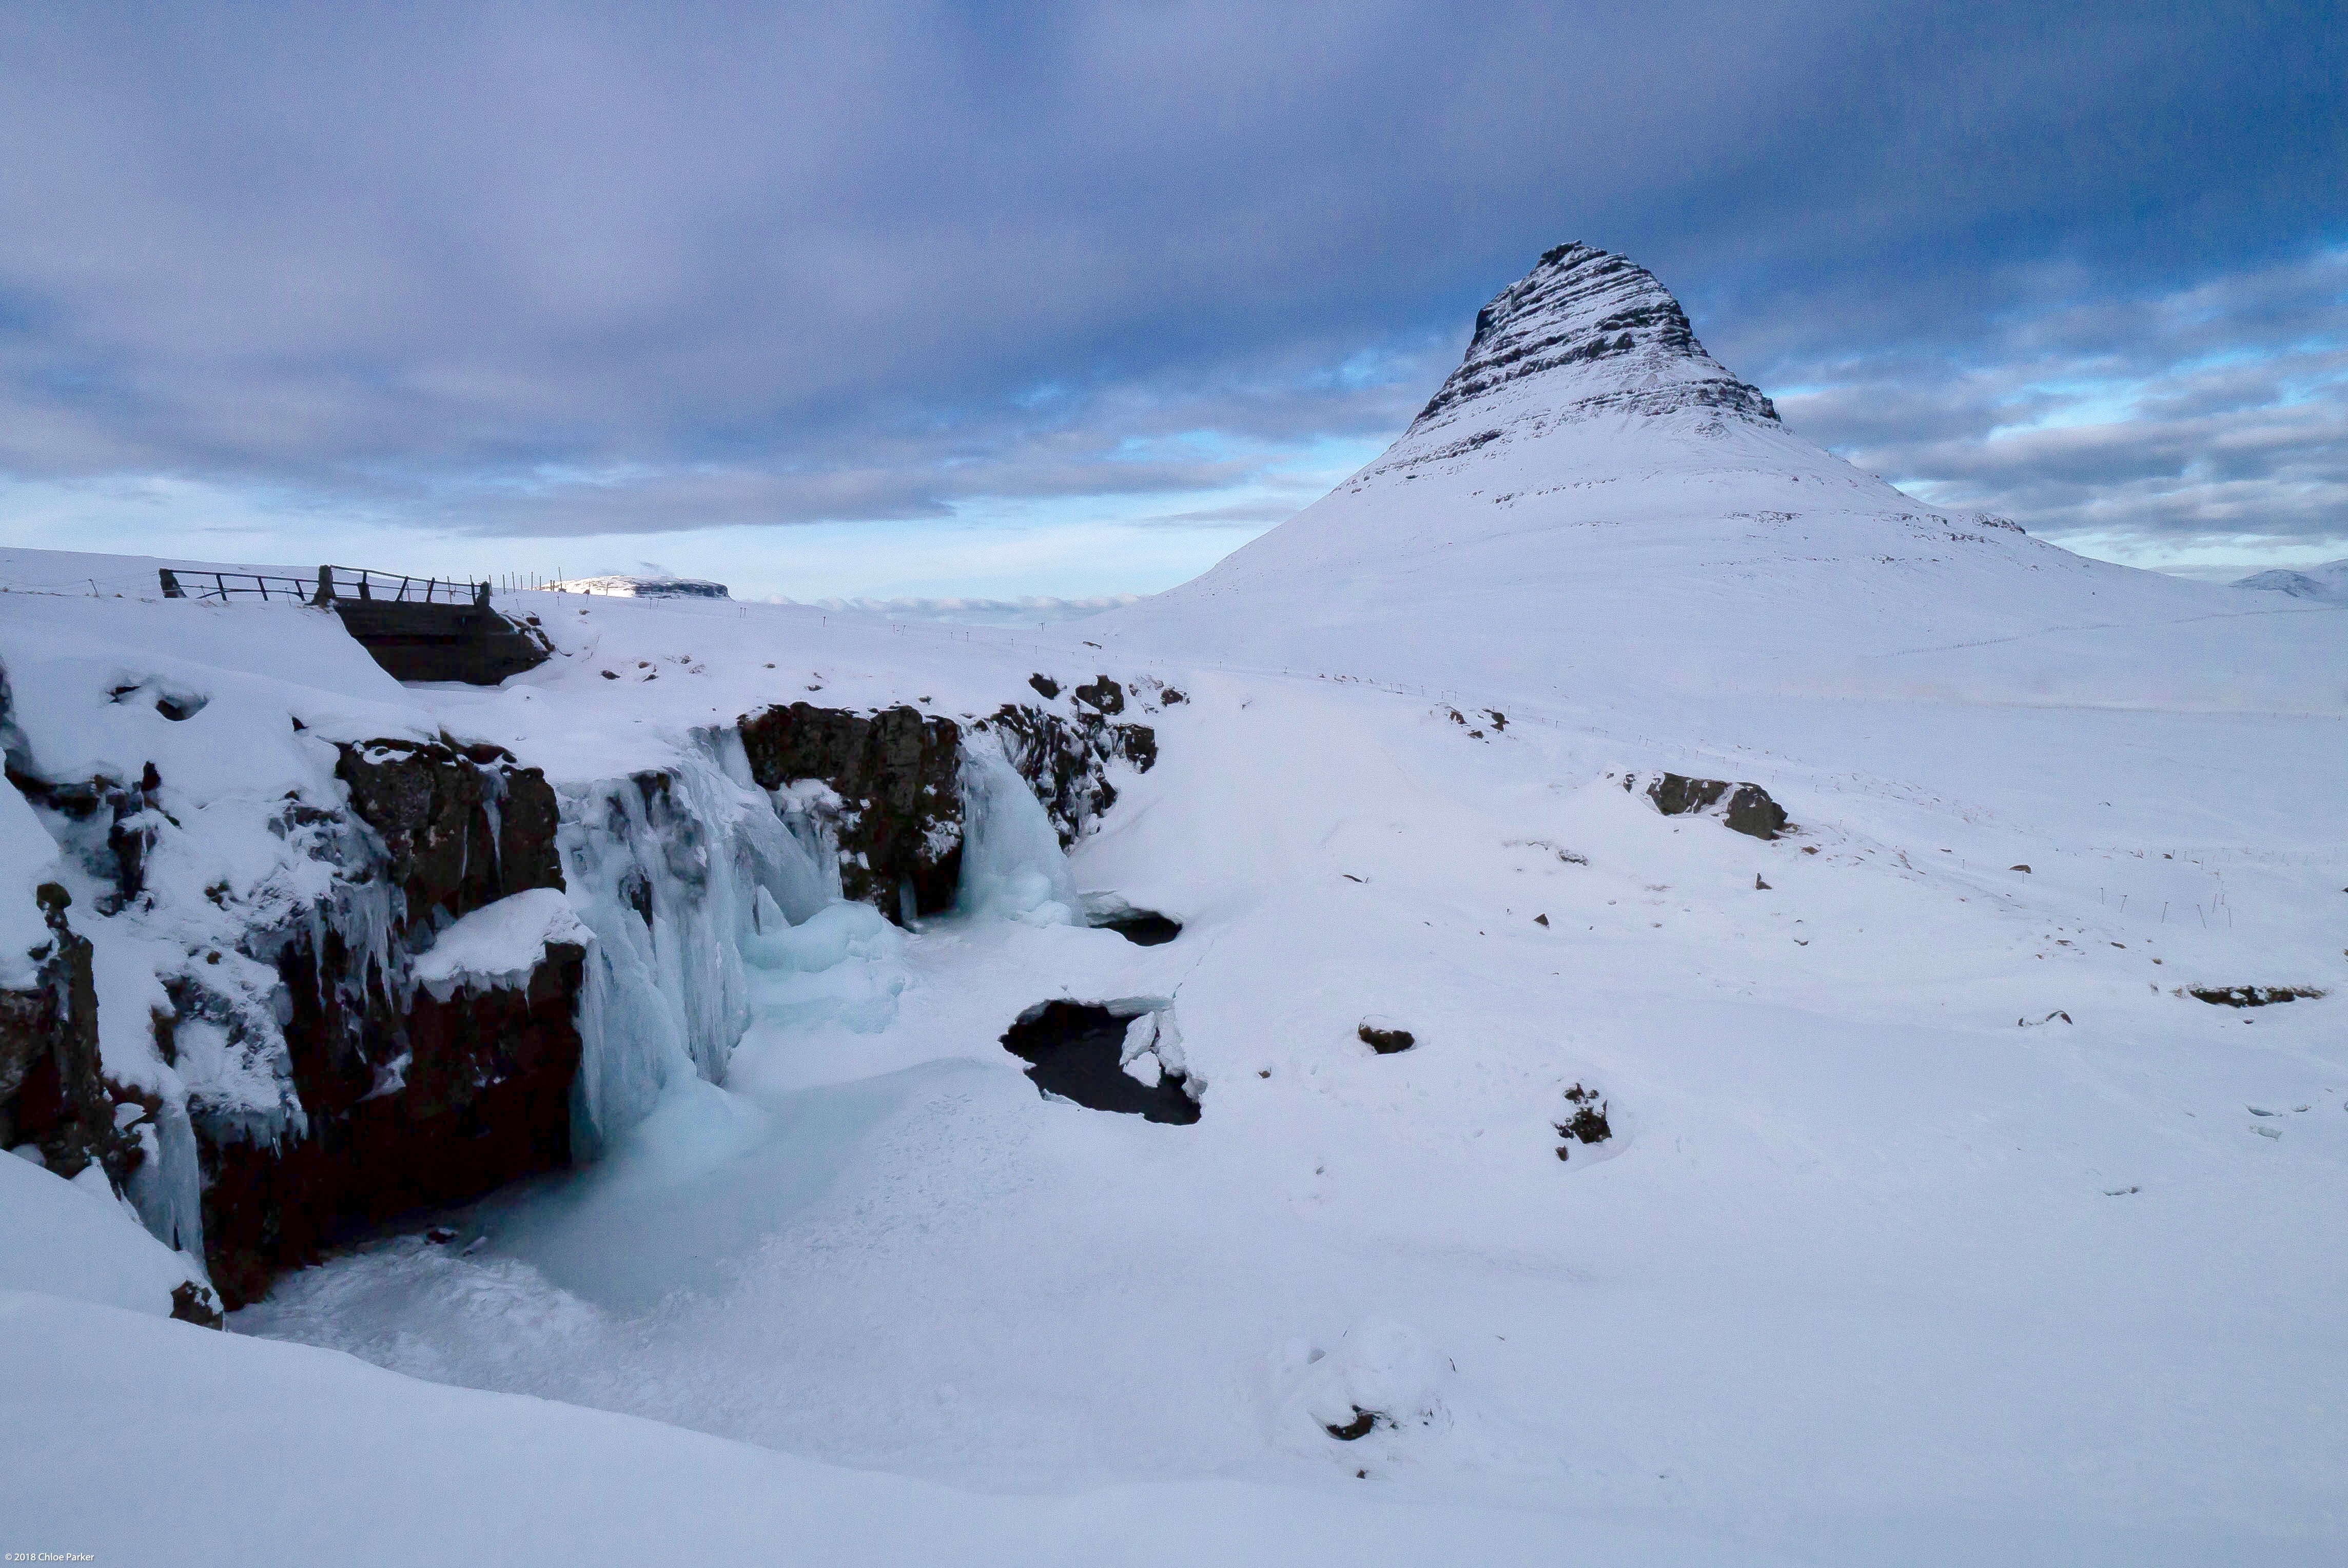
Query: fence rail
pixel 346 584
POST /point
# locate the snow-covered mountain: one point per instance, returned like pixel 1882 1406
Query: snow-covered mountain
pixel 1615 986
pixel 1592 503
pixel 2327 583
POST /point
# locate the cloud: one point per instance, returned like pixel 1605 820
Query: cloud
pixel 2218 412
pixel 1035 609
pixel 538 272
pixel 1244 514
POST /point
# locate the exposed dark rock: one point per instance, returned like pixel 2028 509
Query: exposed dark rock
pixel 404 1100
pixel 131 821
pixel 1075 1050
pixel 390 1098
pixel 895 773
pixel 1385 1042
pixel 1750 809
pixel 1067 759
pixel 1583 306
pixel 1752 813
pixel 2251 995
pixel 1357 1429
pixel 194 1301
pixel 1587 1124
pixel 407 1111
pixel 52 1091
pixel 462 826
pixel 1103 694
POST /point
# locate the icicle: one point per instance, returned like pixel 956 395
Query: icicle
pixel 713 864
pixel 493 795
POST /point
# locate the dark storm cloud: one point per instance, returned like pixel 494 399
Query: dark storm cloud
pixel 640 269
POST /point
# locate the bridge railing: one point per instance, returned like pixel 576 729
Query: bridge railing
pixel 347 585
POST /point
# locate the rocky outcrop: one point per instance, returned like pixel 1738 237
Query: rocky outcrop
pixel 897 808
pixel 1750 809
pixel 53 1090
pixel 307 1085
pixel 1067 755
pixel 898 812
pixel 460 826
pixel 409 1106
pixel 405 1099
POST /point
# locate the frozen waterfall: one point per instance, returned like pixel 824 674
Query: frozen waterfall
pixel 673 871
pixel 1012 865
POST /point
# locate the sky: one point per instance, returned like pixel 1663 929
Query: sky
pixel 973 307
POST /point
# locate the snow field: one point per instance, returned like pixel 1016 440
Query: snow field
pixel 1850 1253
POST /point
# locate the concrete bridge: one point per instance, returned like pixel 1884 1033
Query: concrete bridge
pixel 416 628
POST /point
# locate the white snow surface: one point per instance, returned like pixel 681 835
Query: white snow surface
pixel 499 945
pixel 1940 1224
pixel 28 857
pixel 78 1241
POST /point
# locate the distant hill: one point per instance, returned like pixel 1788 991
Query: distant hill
pixel 2326 584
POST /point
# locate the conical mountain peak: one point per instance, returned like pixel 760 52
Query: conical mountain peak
pixel 1586 333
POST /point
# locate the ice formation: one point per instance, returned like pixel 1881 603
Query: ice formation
pixel 1012 864
pixel 672 873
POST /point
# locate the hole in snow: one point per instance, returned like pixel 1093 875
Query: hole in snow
pixel 175 705
pixel 1142 927
pixel 1079 1051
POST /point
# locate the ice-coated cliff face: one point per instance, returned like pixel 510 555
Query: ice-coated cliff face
pixel 1600 334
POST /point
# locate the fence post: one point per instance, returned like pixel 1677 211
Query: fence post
pixel 172 584
pixel 326 587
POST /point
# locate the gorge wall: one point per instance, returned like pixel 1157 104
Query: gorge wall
pixel 427 971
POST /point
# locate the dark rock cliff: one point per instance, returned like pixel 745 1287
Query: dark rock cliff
pixel 409 1100
pixel 896 774
pixel 408 1110
pixel 388 1098
pixel 52 1091
pixel 899 816
pixel 1066 756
